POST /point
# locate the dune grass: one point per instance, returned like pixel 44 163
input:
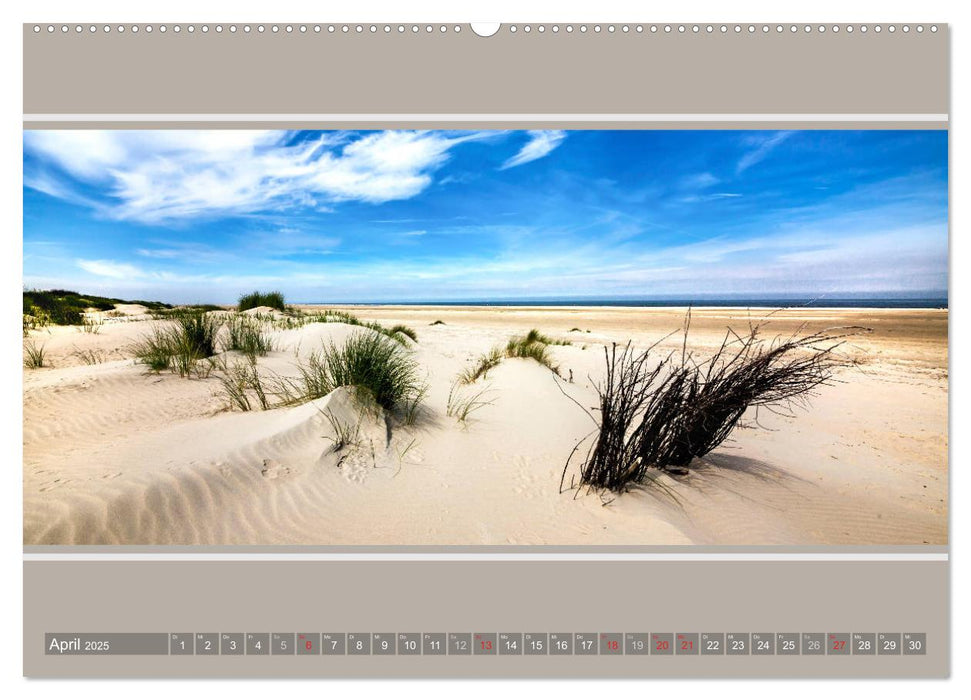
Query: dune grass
pixel 480 368
pixel 438 322
pixel 252 300
pixel 242 385
pixel 179 346
pixel 34 357
pixel 346 432
pixel 461 404
pixel 91 325
pixel 399 333
pixel 92 356
pixel 368 361
pixel 534 346
pixel 197 333
pixel 246 335
pixel 154 350
pixel 402 330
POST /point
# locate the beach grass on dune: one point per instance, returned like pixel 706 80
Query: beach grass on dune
pixel 401 329
pixel 34 356
pixel 368 361
pixel 91 356
pixel 461 404
pixel 91 325
pixel 531 346
pixel 534 346
pixel 154 349
pixel 242 383
pixel 274 300
pixel 246 335
pixel 399 333
pixel 180 345
pixel 481 366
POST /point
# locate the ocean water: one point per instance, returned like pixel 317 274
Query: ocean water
pixel 838 302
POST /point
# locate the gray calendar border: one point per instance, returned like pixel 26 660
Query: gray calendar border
pixel 391 73
pixel 392 121
pixel 804 597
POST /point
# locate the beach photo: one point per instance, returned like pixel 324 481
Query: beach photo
pixel 494 337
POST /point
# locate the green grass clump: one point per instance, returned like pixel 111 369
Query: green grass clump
pixel 196 334
pixel 90 325
pixel 533 346
pixel 530 351
pixel 368 361
pixel 481 367
pixel 438 322
pixel 154 350
pixel 246 335
pixel 274 300
pixel 399 330
pixel 534 336
pixel 336 316
pixel 34 357
pixel 179 346
pixel 241 383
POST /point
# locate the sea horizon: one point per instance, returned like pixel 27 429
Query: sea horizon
pixel 938 301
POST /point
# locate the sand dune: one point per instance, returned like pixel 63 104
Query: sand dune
pixel 115 455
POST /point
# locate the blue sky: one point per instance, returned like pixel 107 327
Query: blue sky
pixel 339 216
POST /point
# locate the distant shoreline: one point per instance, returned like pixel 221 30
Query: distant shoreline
pixel 821 304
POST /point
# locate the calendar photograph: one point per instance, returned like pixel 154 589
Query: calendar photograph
pixel 499 337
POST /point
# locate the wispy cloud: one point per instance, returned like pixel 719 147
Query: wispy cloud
pixel 541 143
pixel 157 177
pixel 699 181
pixel 761 147
pixel 110 268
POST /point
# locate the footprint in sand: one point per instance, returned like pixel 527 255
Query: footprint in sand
pixel 273 469
pixel 354 467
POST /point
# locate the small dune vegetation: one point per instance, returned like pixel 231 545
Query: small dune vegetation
pixel 180 345
pixel 246 335
pixel 368 361
pixel 34 357
pixel 480 367
pixel 63 307
pixel 462 403
pixel 533 345
pixel 254 300
pixel 660 412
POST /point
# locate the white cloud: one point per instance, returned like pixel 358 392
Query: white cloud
pixel 110 268
pixel 541 143
pixel 161 176
pixel 699 181
pixel 763 146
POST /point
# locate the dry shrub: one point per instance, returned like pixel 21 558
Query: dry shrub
pixel 661 413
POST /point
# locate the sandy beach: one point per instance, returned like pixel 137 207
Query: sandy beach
pixel 116 455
